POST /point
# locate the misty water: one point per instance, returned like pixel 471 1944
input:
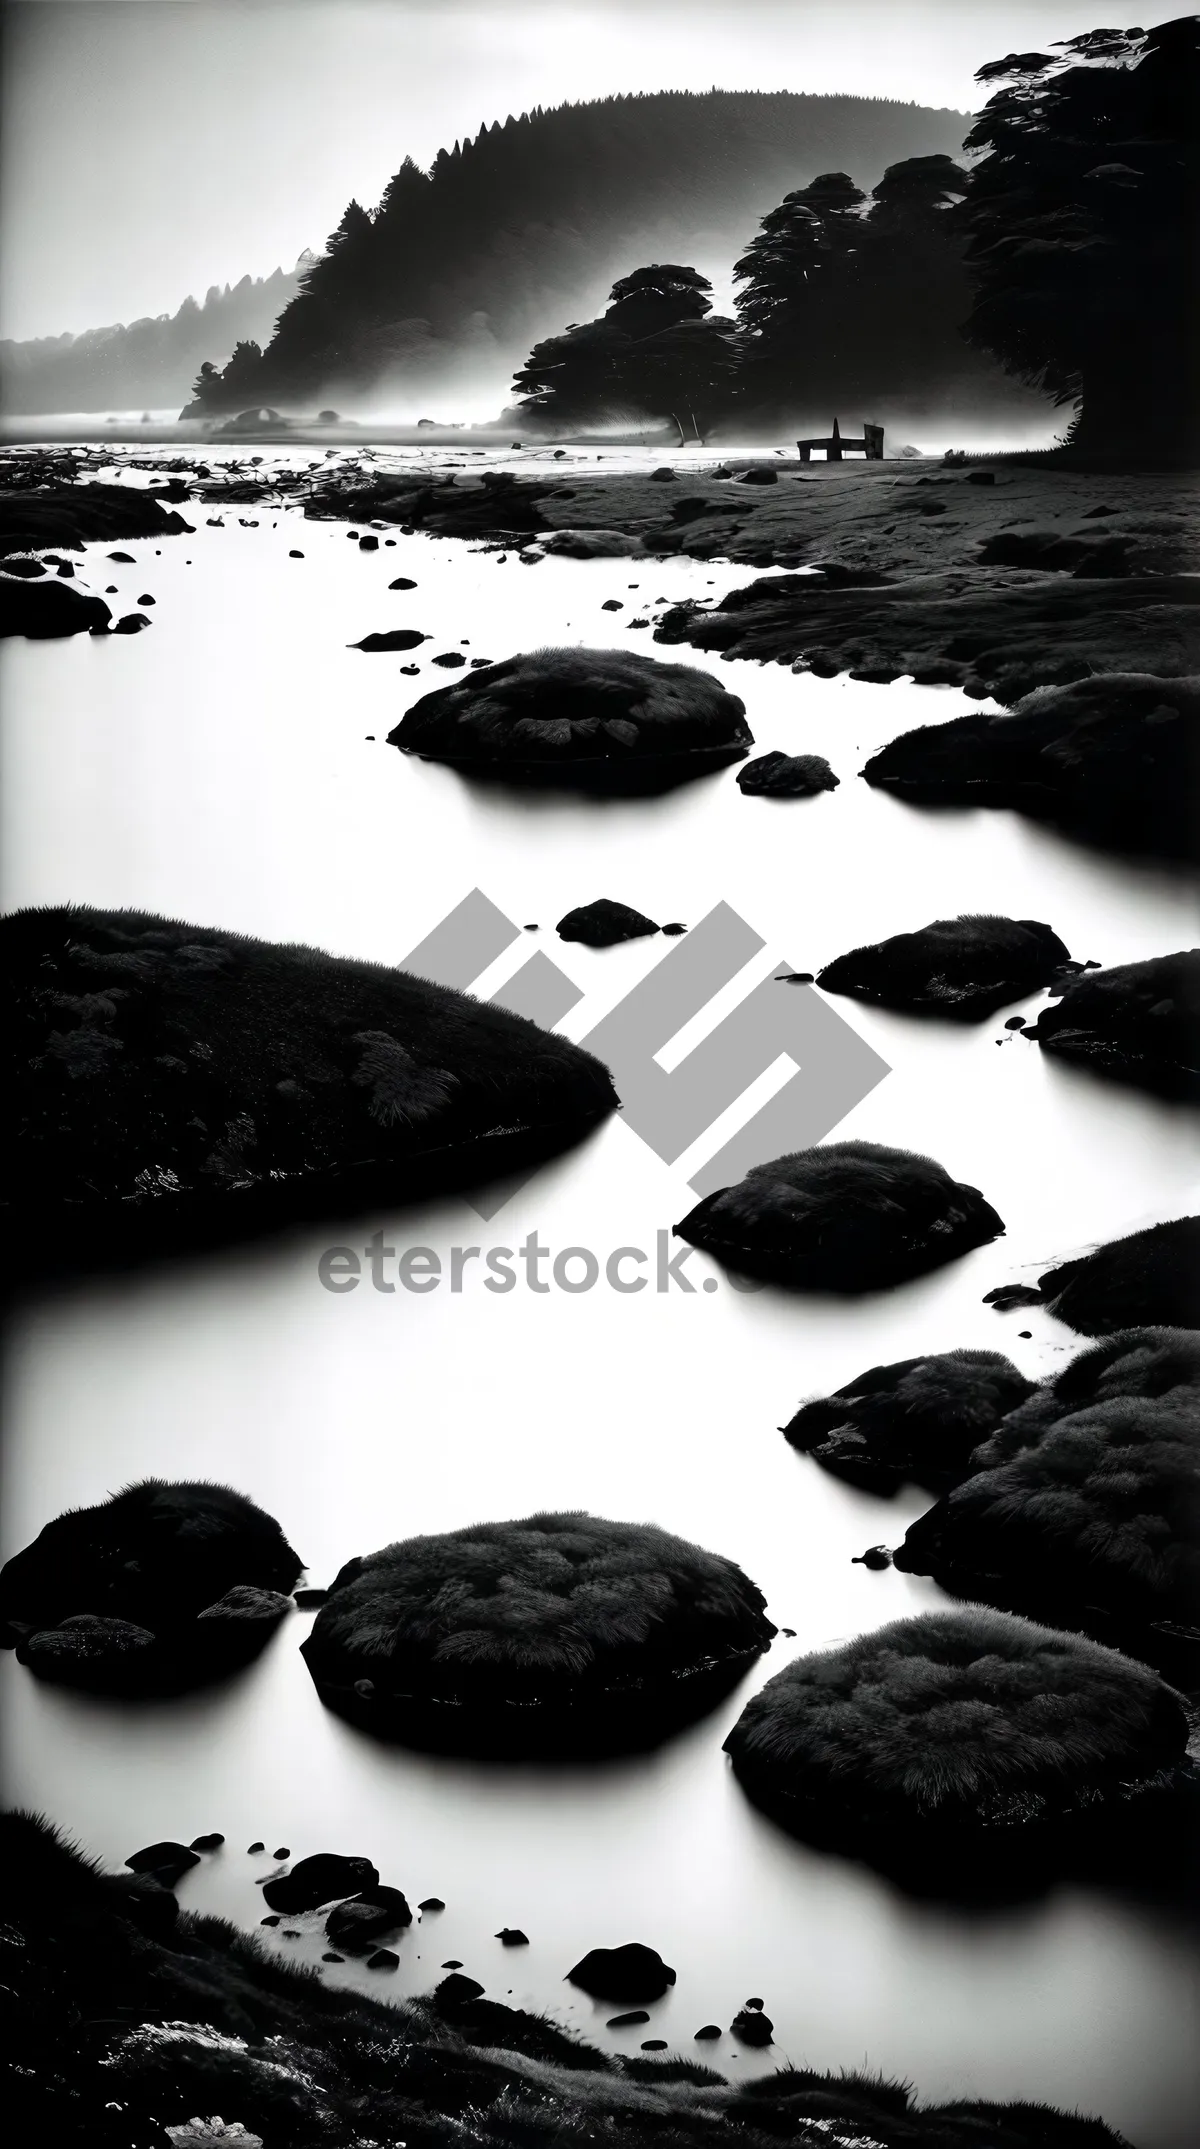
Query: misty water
pixel 229 767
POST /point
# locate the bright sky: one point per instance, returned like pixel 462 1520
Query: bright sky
pixel 154 147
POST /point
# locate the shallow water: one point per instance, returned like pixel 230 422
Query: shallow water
pixel 218 768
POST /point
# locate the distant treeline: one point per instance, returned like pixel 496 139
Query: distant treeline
pixel 147 362
pixel 532 221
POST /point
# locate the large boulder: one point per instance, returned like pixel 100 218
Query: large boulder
pixel 1082 1506
pixel 68 515
pixel 367 1917
pixel 1149 1280
pixel 171 1082
pixel 961 967
pixel 847 1216
pixel 604 923
pixel 917 1421
pixel 325 1877
pixel 591 719
pixel 1113 759
pixel 631 1972
pixel 967 1748
pixel 1139 1022
pixel 159 1588
pixel 46 611
pixel 555 1634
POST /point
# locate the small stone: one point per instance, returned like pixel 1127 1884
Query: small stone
pixel 758 2005
pixel 273 1919
pixel 654 2044
pixel 628 2021
pixel 285 1853
pixel 751 2027
pixel 432 1902
pixel 709 2031
pixel 368 544
pixel 450 659
pixel 1025 1335
pixel 453 1964
pixel 511 1936
pixel 402 582
pixel 673 930
pixel 383 1959
pixel 1015 1022
pixel 132 623
pixel 795 977
pixel 309 1599
pixel 612 604
pixel 456 1987
pixel 331 1957
pixel 875 1557
pixel 294 555
pixel 145 598
pixel 207 1843
pixel 253 1849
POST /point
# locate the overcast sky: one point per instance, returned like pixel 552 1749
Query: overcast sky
pixel 154 147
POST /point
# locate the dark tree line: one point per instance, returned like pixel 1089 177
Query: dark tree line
pixel 532 214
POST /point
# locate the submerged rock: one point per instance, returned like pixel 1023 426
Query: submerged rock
pixel 603 923
pixel 316 1880
pixel 632 1972
pixel 556 1634
pixel 585 718
pixel 156 1566
pixel 1139 1022
pixel 967 1748
pixel 847 1216
pixel 1081 1506
pixel 189 2016
pixel 964 967
pixel 170 1083
pixel 45 611
pixel 918 1420
pixel 787 776
pixel 1111 759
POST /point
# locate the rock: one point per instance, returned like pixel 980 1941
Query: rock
pixel 295 554
pixel 632 1972
pixel 207 1843
pixel 917 1420
pixel 410 669
pixel 846 1217
pixel 756 2003
pixel 587 719
pixel 629 2020
pixel 131 623
pixel 709 2031
pixel 604 923
pixel 752 2028
pixel 67 572
pixel 316 1880
pixel 402 582
pixel 511 1936
pixel 27 568
pixel 795 977
pixel 960 967
pixel 172 1051
pixel 674 930
pixel 654 2044
pixel 450 660
pixel 145 598
pixel 46 611
pixel 591 544
pixel 1139 1023
pixel 165 1862
pixel 786 776
pixel 876 1557
pixel 452 1964
pixel 432 1902
pixel 761 476
pixel 395 638
pixel 1110 759
pixel 164 1567
pixel 309 1599
pixel 456 1989
pixel 328 417
pixel 383 1959
pixel 124 559
pixel 77 512
pixel 1150 1279
pixel 967 1748
pixel 663 475
pixel 584 1636
pixel 254 1849
pixel 284 1852
pixel 612 604
pixel 1080 1507
pixel 368 1915
pixel 369 543
pixel 329 1956
pixel 272 1919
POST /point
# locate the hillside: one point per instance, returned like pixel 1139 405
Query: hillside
pixel 148 362
pixel 458 270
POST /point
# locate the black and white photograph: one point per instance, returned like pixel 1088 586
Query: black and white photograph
pixel 600 1443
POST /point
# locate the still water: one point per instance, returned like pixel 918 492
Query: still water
pixel 228 766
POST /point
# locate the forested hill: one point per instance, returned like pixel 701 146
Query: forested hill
pixel 148 362
pixel 526 226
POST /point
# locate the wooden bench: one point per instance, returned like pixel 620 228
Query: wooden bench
pixel 871 445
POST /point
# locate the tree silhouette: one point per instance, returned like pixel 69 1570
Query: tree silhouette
pixel 1083 222
pixel 652 353
pixel 799 274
